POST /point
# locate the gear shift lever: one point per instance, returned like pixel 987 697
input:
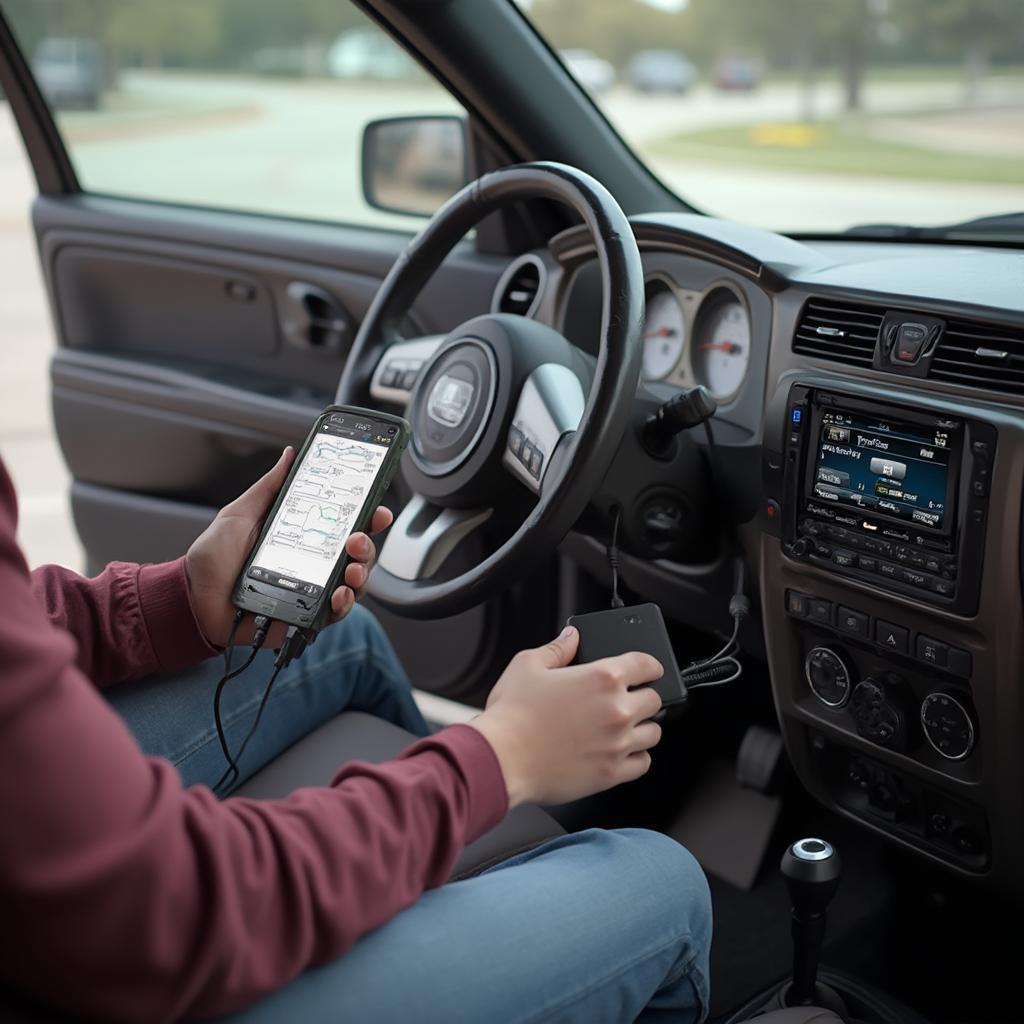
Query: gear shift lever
pixel 812 869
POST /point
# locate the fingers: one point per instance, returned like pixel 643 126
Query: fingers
pixel 636 765
pixel 257 499
pixel 382 519
pixel 561 650
pixel 342 601
pixel 623 672
pixel 360 547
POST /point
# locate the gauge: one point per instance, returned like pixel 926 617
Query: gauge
pixel 722 345
pixel 664 334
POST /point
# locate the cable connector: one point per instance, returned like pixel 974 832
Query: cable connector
pixel 295 643
pixel 259 637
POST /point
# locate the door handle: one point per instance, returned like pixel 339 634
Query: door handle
pixel 316 320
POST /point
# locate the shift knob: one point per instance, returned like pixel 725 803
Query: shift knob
pixel 812 869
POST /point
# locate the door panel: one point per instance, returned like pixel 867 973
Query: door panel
pixel 184 365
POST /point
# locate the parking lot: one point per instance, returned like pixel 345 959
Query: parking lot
pixel 186 137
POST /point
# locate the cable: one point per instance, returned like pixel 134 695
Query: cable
pixel 294 644
pixel 612 553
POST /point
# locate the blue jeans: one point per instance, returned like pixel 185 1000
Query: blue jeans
pixel 596 926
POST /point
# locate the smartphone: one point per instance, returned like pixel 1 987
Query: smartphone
pixel 335 483
pixel 639 627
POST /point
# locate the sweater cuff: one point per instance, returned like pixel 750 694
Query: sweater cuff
pixel 485 784
pixel 174 633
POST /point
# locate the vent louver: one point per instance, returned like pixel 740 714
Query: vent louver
pixel 980 355
pixel 842 332
pixel 519 289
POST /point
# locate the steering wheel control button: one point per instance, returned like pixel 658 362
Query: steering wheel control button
pixel 819 610
pixel 515 441
pixel 848 620
pixel 827 676
pixel 947 725
pixel 891 637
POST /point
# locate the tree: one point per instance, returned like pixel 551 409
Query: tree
pixel 975 31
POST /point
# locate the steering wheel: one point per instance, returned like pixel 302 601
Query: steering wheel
pixel 499 403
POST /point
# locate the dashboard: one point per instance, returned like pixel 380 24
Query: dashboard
pixel 869 453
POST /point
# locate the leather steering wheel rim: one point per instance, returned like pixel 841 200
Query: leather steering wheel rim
pixel 589 451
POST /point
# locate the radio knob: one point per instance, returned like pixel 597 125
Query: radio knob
pixel 801 547
pixel 947 725
pixel 828 676
pixel 879 714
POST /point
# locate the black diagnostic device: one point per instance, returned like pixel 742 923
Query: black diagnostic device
pixel 639 627
pixel 333 488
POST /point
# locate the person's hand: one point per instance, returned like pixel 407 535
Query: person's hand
pixel 215 559
pixel 563 731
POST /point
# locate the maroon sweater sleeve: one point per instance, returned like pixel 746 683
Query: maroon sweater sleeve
pixel 125 897
pixel 128 622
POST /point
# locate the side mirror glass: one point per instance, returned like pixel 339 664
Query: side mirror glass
pixel 413 164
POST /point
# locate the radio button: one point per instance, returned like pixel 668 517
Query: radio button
pixel 844 559
pixel 914 578
pixel 944 588
pixel 888 569
pixel 890 636
pixel 932 564
pixel 902 553
pixel 867 564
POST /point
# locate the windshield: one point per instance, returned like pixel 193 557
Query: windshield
pixel 811 115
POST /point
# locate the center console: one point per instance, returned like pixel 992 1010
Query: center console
pixel 873 582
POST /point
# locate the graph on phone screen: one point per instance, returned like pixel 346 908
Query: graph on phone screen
pixel 308 533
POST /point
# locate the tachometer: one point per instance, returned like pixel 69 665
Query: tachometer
pixel 664 333
pixel 721 352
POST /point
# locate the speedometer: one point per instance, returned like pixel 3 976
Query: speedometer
pixel 721 352
pixel 664 333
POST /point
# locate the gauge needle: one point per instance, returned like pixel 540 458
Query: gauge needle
pixel 662 332
pixel 730 348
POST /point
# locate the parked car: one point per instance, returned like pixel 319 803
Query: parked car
pixel 737 73
pixel 69 72
pixel 661 71
pixel 592 72
pixel 364 53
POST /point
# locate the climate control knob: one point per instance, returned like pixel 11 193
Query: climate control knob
pixel 947 725
pixel 828 676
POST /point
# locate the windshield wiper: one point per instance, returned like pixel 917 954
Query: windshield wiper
pixel 1009 226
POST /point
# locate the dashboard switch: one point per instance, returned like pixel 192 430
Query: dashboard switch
pixel 891 637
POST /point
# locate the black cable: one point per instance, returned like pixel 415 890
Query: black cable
pixel 294 644
pixel 612 553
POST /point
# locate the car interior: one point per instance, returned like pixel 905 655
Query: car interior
pixel 840 448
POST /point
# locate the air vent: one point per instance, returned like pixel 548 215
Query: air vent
pixel 980 355
pixel 520 287
pixel 843 332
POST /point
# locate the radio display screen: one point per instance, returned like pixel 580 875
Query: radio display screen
pixel 891 468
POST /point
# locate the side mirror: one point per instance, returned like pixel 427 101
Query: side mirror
pixel 413 164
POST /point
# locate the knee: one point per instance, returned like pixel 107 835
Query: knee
pixel 684 887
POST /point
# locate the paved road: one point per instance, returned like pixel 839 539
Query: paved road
pixel 293 147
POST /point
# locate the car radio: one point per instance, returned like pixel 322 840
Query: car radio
pixel 893 496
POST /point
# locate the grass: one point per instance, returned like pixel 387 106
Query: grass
pixel 839 147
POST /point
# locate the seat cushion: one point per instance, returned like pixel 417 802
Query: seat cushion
pixel 355 736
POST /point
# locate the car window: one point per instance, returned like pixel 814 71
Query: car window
pixel 252 105
pixel 811 115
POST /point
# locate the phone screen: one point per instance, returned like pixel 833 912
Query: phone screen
pixel 307 533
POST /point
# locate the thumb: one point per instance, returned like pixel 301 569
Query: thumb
pixel 256 500
pixel 561 650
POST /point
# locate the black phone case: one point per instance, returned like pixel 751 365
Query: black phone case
pixel 639 627
pixel 282 605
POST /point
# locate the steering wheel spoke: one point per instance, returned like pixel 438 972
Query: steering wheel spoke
pixel 399 368
pixel 423 536
pixel 550 405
